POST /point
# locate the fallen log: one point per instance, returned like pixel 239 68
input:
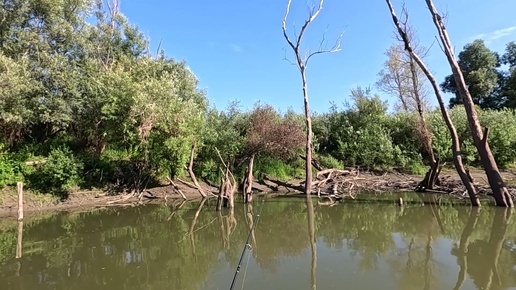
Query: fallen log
pixel 335 171
pixel 176 188
pixel 296 187
pixel 315 163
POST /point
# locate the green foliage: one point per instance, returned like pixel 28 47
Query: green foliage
pixel 11 170
pixel 80 87
pixel 278 169
pixel 59 173
pixel 479 66
pixel 363 134
pixel 490 86
pixel 329 161
pixel 502 135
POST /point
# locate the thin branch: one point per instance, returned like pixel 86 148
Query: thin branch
pixel 313 13
pixel 439 43
pixel 286 58
pixel 284 25
pixel 310 19
pixel 159 47
pixel 336 47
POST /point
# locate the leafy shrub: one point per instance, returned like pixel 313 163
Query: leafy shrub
pixel 329 161
pixel 61 172
pixel 264 165
pixel 11 170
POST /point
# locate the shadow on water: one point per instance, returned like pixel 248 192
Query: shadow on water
pixel 298 244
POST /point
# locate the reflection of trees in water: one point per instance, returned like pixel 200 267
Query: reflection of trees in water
pixel 488 264
pixel 311 236
pixel 461 251
pixel 176 247
pixel 282 232
pixel 414 265
pixel 135 251
pixel 413 262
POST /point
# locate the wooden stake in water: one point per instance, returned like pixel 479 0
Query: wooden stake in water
pixel 20 200
pixel 19 240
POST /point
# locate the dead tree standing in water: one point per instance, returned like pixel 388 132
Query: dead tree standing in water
pixel 457 158
pixel 500 192
pixel 302 62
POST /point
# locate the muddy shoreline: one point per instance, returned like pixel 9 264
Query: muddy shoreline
pixel 348 186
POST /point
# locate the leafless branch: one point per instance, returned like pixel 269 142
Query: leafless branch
pixel 286 58
pixel 312 14
pixel 439 43
pixel 284 25
pixel 336 47
pixel 159 47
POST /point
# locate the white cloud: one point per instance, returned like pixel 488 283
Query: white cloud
pixel 236 47
pixel 497 34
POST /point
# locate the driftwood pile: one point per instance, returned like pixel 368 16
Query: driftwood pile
pixel 338 184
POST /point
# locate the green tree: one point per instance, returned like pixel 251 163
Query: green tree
pixel 479 65
pixel 508 87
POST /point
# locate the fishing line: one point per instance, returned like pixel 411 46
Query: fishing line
pixel 247 245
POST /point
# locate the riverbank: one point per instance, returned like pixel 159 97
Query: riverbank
pixel 349 185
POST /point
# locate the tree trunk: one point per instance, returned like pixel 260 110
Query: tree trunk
pixel 308 147
pixel 423 131
pixel 311 236
pixel 463 246
pixel 428 258
pixel 248 185
pixel 250 221
pixel 192 174
pixel 192 226
pixel 500 192
pixel 496 239
pixel 457 158
pixel 426 137
pixel 231 187
pixel 302 61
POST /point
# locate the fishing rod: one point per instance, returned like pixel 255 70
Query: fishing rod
pixel 246 246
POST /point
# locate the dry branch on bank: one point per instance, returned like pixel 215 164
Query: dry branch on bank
pixel 332 185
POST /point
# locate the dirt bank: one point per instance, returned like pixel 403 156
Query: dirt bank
pixel 345 184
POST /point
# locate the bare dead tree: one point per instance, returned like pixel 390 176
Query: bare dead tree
pixel 189 168
pixel 408 78
pixel 302 62
pixel 500 192
pixel 457 157
pixel 228 186
pixel 395 78
pixel 422 129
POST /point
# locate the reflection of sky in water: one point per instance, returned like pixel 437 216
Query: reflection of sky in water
pixel 339 269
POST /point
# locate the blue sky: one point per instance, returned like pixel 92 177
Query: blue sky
pixel 236 47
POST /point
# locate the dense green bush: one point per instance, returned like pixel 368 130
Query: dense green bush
pixel 121 115
pixel 502 136
pixel 276 168
pixel 11 170
pixel 59 173
pixel 366 135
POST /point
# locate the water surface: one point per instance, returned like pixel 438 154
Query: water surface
pixel 296 245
